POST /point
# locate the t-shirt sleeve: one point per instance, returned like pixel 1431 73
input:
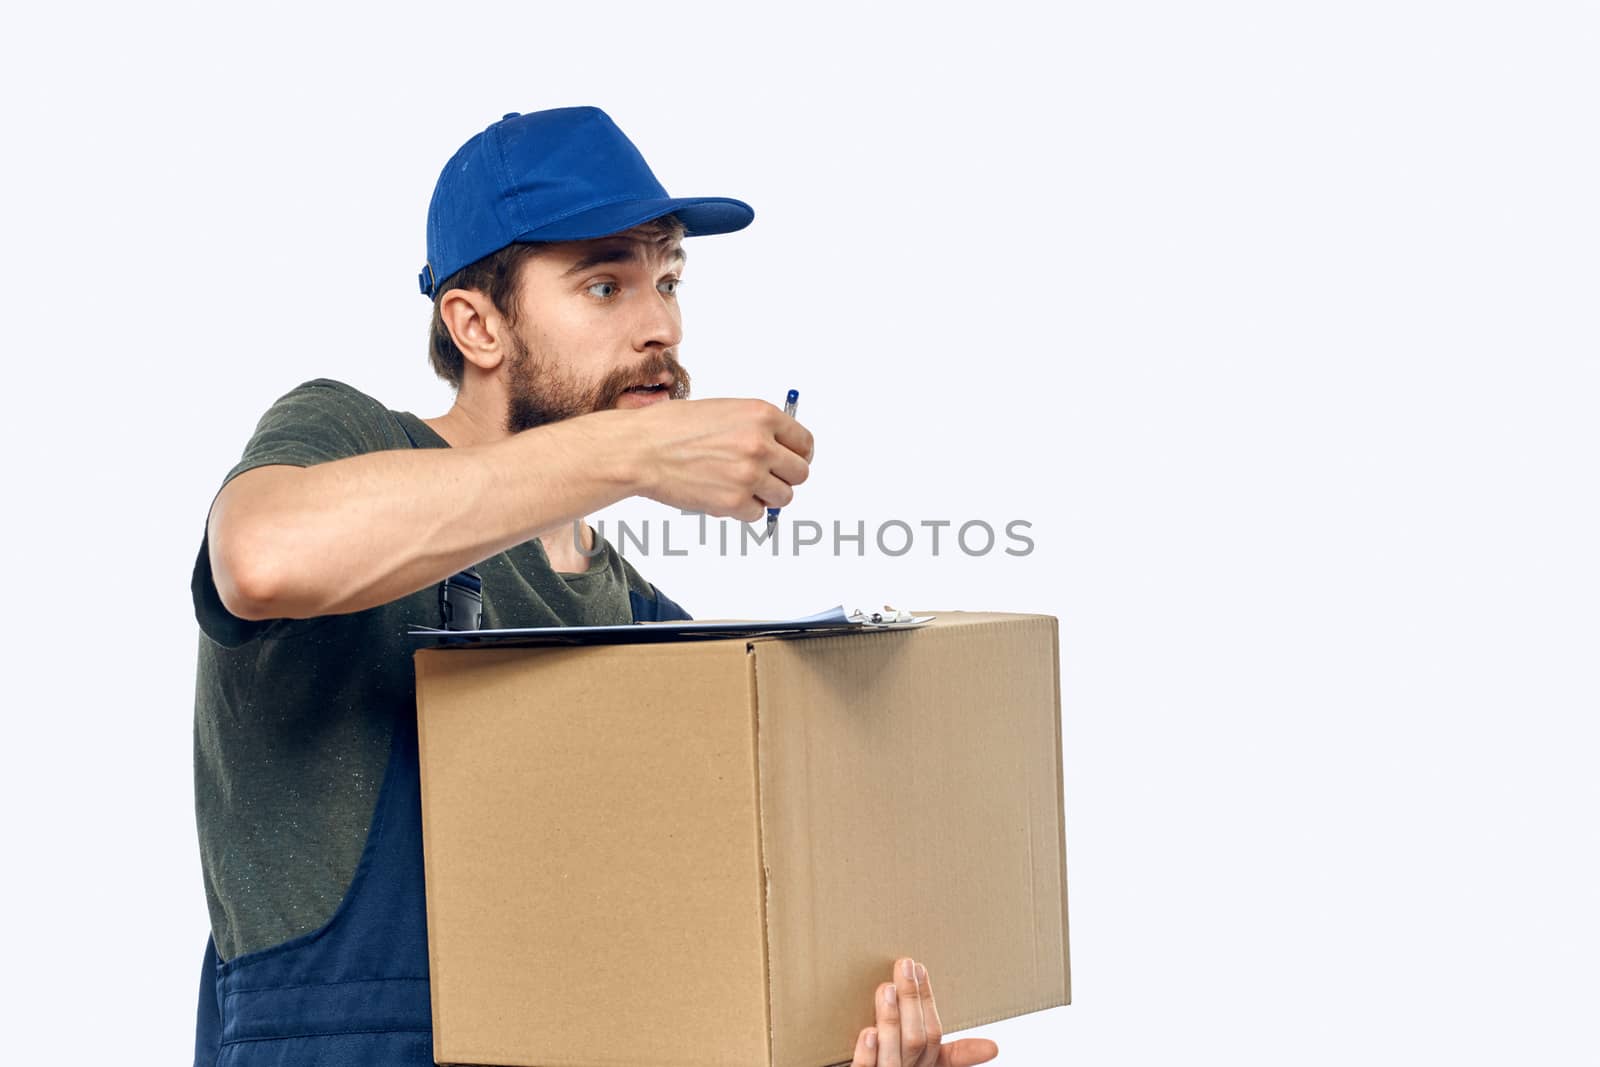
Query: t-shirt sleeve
pixel 317 422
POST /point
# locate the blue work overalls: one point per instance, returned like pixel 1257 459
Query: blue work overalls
pixel 353 993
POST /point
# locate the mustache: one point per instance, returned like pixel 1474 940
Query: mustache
pixel 645 372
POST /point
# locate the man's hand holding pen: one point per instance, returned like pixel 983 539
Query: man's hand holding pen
pixel 730 458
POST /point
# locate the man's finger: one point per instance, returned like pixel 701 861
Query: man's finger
pixel 888 1026
pixel 866 1048
pixel 913 1031
pixel 930 1015
pixel 784 464
pixel 773 492
pixel 796 438
pixel 968 1051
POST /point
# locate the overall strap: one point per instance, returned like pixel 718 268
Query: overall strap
pixel 461 594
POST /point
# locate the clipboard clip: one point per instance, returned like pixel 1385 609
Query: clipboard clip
pixel 887 617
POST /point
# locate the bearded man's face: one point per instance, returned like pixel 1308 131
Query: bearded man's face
pixel 597 327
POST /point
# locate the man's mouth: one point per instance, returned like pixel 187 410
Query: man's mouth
pixel 663 383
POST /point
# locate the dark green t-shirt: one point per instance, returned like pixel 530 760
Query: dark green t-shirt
pixel 293 717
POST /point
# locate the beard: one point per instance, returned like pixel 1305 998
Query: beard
pixel 541 394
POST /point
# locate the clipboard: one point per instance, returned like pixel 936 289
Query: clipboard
pixel 832 621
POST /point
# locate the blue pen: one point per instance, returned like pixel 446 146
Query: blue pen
pixel 790 404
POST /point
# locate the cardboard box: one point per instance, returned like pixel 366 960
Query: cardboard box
pixel 709 853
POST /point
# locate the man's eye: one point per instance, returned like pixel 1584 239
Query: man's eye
pixel 604 290
pixel 670 285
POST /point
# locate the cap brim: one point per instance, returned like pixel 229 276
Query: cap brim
pixel 700 215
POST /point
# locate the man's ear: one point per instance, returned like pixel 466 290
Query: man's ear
pixel 475 326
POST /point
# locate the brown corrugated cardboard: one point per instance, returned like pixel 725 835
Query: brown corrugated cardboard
pixel 710 852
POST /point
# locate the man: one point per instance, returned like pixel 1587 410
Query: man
pixel 554 258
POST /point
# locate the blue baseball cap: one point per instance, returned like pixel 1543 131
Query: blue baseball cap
pixel 562 175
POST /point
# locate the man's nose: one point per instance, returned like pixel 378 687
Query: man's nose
pixel 658 325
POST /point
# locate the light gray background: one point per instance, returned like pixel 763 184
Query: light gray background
pixel 1277 321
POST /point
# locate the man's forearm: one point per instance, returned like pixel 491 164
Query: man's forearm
pixel 339 537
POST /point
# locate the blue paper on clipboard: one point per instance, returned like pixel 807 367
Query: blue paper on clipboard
pixel 834 620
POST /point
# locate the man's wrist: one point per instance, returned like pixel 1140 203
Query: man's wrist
pixel 614 451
